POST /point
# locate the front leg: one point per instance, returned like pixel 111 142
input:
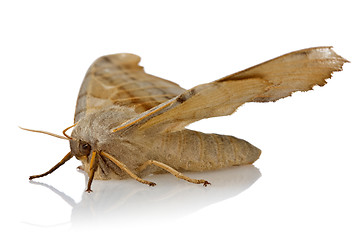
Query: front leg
pixel 172 171
pixel 93 167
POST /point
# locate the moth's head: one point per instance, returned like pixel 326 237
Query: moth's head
pixel 92 134
pixel 80 149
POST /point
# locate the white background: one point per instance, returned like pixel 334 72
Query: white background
pixel 306 183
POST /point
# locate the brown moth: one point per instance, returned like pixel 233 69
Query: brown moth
pixel 132 124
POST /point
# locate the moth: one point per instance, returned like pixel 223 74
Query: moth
pixel 132 124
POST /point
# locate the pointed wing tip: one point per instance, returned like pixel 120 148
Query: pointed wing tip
pixel 326 53
pixel 328 62
pixel 334 54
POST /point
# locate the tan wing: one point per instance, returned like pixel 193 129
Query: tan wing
pixel 269 81
pixel 118 79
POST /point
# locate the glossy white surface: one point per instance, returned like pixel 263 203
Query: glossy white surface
pixel 306 183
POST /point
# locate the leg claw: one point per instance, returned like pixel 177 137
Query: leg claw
pixel 206 183
pixel 80 168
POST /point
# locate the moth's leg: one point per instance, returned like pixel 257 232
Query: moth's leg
pixel 172 171
pixel 64 160
pixel 126 169
pixel 93 167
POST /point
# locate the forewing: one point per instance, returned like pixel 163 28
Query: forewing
pixel 296 71
pixel 269 81
pixel 119 80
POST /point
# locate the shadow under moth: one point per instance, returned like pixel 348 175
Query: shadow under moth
pixel 131 124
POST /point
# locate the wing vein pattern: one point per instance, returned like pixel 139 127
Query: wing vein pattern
pixel 119 80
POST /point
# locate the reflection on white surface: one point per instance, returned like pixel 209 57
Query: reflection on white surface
pixel 127 200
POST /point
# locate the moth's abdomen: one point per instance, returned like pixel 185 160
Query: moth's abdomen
pixel 196 151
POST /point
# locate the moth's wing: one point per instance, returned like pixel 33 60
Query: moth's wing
pixel 119 80
pixel 296 71
pixel 269 81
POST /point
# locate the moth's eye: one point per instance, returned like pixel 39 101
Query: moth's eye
pixel 85 148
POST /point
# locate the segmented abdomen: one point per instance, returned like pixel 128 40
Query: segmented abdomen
pixel 196 151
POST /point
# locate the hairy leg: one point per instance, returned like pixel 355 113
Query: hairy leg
pixel 126 169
